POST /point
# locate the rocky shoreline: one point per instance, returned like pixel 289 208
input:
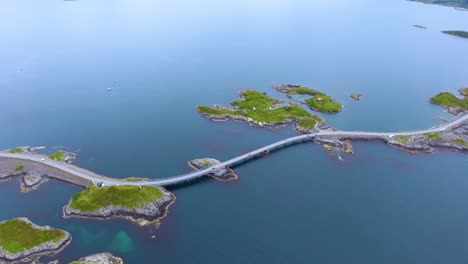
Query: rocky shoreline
pixel 224 175
pixel 101 258
pixel 149 214
pixel 47 248
pixel 269 125
pixel 33 174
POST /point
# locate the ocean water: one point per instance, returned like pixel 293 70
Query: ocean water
pixel 298 205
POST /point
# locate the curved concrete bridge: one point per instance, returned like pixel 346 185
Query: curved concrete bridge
pixel 85 174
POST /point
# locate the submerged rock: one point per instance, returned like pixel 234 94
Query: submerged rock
pixel 356 96
pixel 101 258
pixel 226 174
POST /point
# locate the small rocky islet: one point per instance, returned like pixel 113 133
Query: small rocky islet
pixel 356 96
pixel 226 174
pixel 22 240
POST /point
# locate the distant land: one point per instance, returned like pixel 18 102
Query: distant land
pixel 452 3
pixel 458 33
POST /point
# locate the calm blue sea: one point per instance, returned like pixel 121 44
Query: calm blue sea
pixel 299 205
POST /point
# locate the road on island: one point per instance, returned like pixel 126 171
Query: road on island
pixel 82 173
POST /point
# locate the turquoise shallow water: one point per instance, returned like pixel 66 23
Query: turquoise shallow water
pixel 299 205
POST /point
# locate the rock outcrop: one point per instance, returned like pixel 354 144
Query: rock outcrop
pixel 226 174
pixel 101 258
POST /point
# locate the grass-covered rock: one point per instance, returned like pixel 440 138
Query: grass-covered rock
pixel 401 138
pixel 324 103
pixel 319 101
pixel 450 101
pixel 57 156
pixel 21 239
pixel 132 202
pixel 94 198
pixel 258 108
pixel 15 150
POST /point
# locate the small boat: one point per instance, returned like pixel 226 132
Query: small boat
pixel 109 89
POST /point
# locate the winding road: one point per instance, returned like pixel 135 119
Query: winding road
pixel 179 179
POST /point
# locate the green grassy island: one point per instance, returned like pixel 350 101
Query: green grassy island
pixel 450 101
pixel 94 198
pixel 142 204
pixel 458 33
pixel 15 150
pixel 319 101
pixel 20 238
pixel 260 109
pixel 57 156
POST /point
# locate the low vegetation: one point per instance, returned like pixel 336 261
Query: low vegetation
pixel 461 141
pixel 261 108
pixel 15 150
pixel 135 179
pixel 298 90
pixel 19 168
pixel 458 33
pixel 319 100
pixel 324 103
pixel 94 198
pixel 58 156
pixel 433 136
pixel 401 138
pixel 17 235
pixel 447 99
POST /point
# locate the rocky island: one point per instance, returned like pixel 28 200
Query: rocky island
pixel 319 101
pixel 21 240
pixel 457 33
pixel 454 104
pixel 356 96
pixel 144 205
pixel 226 174
pixel 453 3
pixel 100 258
pixel 259 109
